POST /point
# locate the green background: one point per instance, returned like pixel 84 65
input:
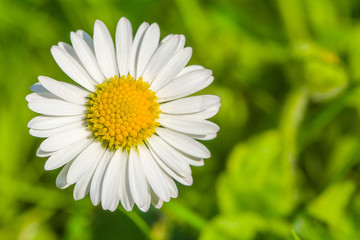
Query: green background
pixel 285 164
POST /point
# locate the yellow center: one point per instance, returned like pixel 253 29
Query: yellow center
pixel 122 112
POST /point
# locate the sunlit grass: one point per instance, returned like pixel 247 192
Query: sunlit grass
pixel 285 164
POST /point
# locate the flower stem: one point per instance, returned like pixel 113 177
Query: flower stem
pixel 140 223
pixel 184 214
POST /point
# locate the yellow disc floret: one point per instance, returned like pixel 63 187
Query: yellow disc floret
pixel 122 112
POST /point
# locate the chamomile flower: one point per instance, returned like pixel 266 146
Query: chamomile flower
pixel 127 129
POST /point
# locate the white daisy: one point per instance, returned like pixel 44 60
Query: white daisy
pixel 127 129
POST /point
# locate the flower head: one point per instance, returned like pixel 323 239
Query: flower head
pixel 127 129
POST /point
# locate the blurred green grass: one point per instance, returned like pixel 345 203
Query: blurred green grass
pixel 285 164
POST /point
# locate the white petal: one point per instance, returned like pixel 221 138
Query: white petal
pixel 189 91
pixel 147 47
pixel 187 180
pixel 154 175
pixel 61 178
pixel 82 187
pixel 190 105
pixel 105 50
pixel 171 186
pixel 123 39
pixel 138 185
pixel 114 205
pixel 171 69
pixel 40 96
pixel 72 68
pixel 54 131
pixel 166 38
pixel 98 178
pixel 56 107
pixel 84 161
pixel 169 182
pixel 70 50
pixel 183 143
pixel 39 93
pixel 155 200
pixel 41 153
pixel 181 43
pixel 184 83
pixel 160 58
pixel 66 154
pixel 48 122
pixel 124 188
pixel 87 38
pixel 135 47
pixel 206 114
pixel 111 181
pixel 169 156
pixel 197 162
pixel 146 207
pixel 68 92
pixel 64 139
pixel 203 137
pixel 87 57
pixel 188 125
pixel 38 88
pixel 188 69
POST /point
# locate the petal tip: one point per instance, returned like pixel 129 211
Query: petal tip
pixel 47 167
pixel 124 19
pixel 73 35
pixel 99 24
pixel 54 48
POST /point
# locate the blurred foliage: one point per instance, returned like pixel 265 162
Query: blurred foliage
pixel 285 164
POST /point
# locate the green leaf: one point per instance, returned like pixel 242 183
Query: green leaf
pixel 293 17
pixel 294 235
pixel 320 70
pixel 308 228
pixel 353 51
pixel 183 214
pixel 257 179
pixel 233 227
pixel 244 226
pixel 324 19
pixel 330 205
pixel 344 156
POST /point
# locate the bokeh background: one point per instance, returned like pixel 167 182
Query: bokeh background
pixel 285 164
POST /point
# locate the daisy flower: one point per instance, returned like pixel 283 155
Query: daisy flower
pixel 127 129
